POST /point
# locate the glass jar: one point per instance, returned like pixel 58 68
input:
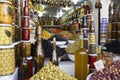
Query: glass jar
pixel 7 60
pixel 26 22
pixel 25 34
pixel 6 34
pixel 6 12
pixel 27 45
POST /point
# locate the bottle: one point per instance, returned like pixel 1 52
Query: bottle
pixel 92 38
pixel 82 11
pixel 39 56
pixel 81 38
pixel 26 9
pixel 54 54
pixel 81 62
pixel 84 24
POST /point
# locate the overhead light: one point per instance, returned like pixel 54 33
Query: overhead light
pixel 75 1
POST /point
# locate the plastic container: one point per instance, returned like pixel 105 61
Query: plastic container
pixel 6 34
pixel 6 12
pixel 7 60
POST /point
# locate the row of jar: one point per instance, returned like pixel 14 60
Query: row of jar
pixel 10 34
pixel 11 57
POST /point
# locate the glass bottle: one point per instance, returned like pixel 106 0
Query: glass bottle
pixel 54 54
pixel 81 62
pixel 39 56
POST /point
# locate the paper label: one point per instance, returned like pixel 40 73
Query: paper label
pixel 99 65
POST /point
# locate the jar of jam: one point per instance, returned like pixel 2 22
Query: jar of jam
pixel 25 22
pixel 26 9
pixel 25 34
pixel 92 59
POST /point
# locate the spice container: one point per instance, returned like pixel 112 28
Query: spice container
pixel 25 34
pixel 27 45
pixel 6 34
pixel 6 12
pixel 7 60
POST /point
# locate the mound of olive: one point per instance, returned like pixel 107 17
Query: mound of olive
pixel 52 72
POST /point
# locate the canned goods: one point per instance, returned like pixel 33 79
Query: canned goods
pixel 7 60
pixel 27 45
pixel 26 22
pixel 92 38
pixel 92 59
pixel 25 34
pixel 92 48
pixel 6 34
pixel 6 13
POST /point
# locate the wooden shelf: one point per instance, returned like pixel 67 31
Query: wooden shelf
pixel 51 26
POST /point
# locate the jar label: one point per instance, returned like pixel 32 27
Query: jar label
pixel 99 65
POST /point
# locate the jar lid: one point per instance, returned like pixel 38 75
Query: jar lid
pixel 8 46
pixel 5 25
pixel 92 54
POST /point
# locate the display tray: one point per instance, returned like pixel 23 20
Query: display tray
pixel 88 77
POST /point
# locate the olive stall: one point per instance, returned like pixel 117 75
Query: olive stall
pixel 59 40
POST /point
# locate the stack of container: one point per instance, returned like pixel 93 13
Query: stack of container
pixel 7 51
pixel 92 47
pixel 103 31
pixel 26 60
pixel 85 32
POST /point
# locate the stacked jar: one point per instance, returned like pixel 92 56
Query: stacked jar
pixel 7 52
pixel 85 32
pixel 26 60
pixel 103 31
pixel 92 47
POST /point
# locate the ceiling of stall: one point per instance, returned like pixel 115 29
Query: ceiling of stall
pixel 52 11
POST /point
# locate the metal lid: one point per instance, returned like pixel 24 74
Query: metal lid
pixel 29 58
pixel 92 54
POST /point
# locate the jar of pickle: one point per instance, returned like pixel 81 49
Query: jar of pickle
pixel 6 34
pixel 7 60
pixel 6 12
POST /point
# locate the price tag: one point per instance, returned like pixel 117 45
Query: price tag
pixel 99 65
